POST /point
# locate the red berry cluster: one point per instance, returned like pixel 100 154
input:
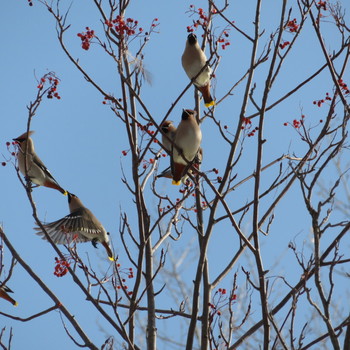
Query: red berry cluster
pixel 145 130
pixel 292 26
pixel 110 99
pixel 86 38
pixel 322 5
pixel 147 163
pixel 124 153
pixel 343 86
pixel 128 27
pixel 284 44
pixel 164 208
pixel 124 26
pixel 11 151
pixel 223 39
pixel 296 122
pixel 246 125
pixel 218 303
pixel 252 133
pixel 53 81
pixel 187 188
pixel 202 21
pixel 319 103
pixel 130 274
pixel 53 89
pixel 61 267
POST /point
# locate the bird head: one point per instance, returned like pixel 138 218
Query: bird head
pixel 166 126
pixel 74 202
pixel 71 196
pixel 192 38
pixel 187 113
pixel 23 137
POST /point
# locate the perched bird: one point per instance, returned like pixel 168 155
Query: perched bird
pixel 3 294
pixel 167 173
pixel 79 226
pixel 193 60
pixel 187 143
pixel 169 130
pixel 36 170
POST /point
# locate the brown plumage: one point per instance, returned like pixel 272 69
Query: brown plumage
pixel 3 294
pixel 79 226
pixel 188 139
pixel 193 61
pixel 167 173
pixel 168 136
pixel 36 170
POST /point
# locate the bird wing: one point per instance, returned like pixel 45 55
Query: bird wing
pixel 37 161
pixel 166 173
pixel 73 227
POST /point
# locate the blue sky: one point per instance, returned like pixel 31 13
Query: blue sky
pixel 81 142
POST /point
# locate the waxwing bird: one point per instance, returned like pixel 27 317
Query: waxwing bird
pixel 167 173
pixel 79 226
pixel 193 60
pixel 36 170
pixel 187 143
pixel 168 136
pixel 3 294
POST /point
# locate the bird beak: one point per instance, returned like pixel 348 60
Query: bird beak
pixel 109 251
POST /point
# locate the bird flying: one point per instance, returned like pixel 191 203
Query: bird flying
pixel 36 170
pixel 79 226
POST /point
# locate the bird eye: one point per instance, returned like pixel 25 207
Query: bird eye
pixel 108 233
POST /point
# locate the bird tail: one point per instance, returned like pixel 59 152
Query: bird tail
pixel 55 186
pixel 208 100
pixel 178 171
pixel 5 296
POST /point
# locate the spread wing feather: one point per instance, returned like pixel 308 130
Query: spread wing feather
pixel 73 227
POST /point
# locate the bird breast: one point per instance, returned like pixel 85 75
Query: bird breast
pixel 193 61
pixel 189 143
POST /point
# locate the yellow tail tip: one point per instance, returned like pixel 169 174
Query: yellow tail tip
pixel 15 304
pixel 65 193
pixel 111 258
pixel 177 183
pixel 211 103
